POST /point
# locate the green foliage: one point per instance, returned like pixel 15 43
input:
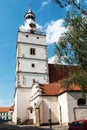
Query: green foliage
pixel 78 78
pixel 71 49
pixel 72 45
pixel 79 5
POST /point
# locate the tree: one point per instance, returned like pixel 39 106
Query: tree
pixel 71 49
pixel 79 5
pixel 72 45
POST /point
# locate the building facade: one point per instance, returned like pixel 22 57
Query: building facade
pixel 51 101
pixel 6 113
pixel 31 64
pixel 36 100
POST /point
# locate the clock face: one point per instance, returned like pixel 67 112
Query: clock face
pixel 32 25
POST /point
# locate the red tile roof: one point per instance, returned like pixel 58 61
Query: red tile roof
pixel 11 108
pixel 56 89
pixel 59 72
pixel 6 109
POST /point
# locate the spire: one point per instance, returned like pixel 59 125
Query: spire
pixel 30 24
pixel 30 15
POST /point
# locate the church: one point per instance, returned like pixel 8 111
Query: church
pixel 39 97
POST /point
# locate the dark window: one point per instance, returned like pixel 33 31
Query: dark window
pixel 34 103
pixel 37 37
pixel 81 102
pixel 28 17
pixel 33 80
pixel 32 17
pixel 26 35
pixel 30 111
pixel 33 65
pixel 32 51
pixel 32 31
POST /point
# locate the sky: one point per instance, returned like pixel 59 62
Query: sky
pixel 48 15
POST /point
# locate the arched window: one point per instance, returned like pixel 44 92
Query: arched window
pixel 81 102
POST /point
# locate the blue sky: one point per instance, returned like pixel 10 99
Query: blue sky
pixel 48 15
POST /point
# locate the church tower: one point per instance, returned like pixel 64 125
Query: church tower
pixel 31 64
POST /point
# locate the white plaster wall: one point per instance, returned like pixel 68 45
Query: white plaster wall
pixel 46 102
pixel 24 60
pixel 62 102
pixel 50 101
pixel 26 79
pixel 16 80
pixel 38 102
pixel 72 103
pixel 68 101
pixel 26 66
pixel 32 38
pixel 80 113
pixel 30 115
pixel 23 102
pixel 40 51
pixel 14 119
pixel 10 114
pixel 36 90
pixel 16 52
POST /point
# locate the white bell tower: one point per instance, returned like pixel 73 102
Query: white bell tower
pixel 31 64
pixel 30 21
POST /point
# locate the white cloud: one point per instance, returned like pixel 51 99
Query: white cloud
pixel 51 60
pixel 39 27
pixel 78 1
pixel 44 3
pixel 54 30
pixel 55 60
pixel 27 27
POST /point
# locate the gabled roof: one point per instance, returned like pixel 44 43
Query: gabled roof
pixel 11 108
pixel 56 89
pixel 6 109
